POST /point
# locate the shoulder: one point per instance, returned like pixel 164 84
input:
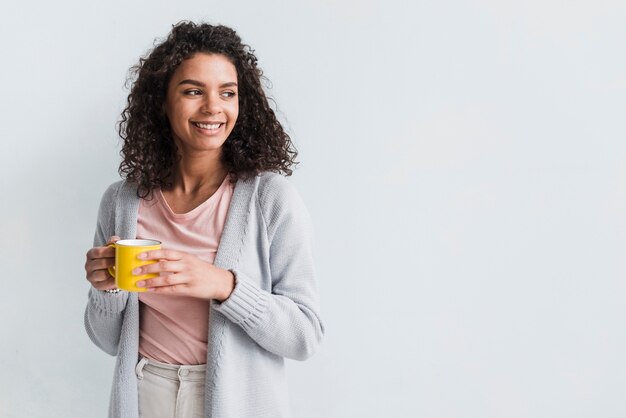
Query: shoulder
pixel 120 192
pixel 121 189
pixel 280 201
pixel 109 197
pixel 111 192
pixel 276 190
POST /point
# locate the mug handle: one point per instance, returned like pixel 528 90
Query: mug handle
pixel 112 269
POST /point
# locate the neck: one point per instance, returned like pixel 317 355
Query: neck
pixel 193 175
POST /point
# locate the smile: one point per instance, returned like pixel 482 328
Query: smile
pixel 208 126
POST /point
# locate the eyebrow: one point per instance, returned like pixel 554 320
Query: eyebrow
pixel 201 84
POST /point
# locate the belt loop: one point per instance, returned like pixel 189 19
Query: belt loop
pixel 139 369
pixel 183 373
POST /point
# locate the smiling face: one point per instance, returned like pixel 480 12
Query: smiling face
pixel 202 103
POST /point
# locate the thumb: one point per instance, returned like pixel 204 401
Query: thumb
pixel 113 239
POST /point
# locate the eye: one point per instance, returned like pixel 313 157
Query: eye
pixel 229 94
pixel 193 92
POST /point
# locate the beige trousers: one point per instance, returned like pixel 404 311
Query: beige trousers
pixel 170 391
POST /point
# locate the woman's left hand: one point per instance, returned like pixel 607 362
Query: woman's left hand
pixel 188 276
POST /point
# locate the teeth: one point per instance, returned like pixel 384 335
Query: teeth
pixel 208 126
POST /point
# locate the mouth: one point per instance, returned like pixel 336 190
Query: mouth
pixel 208 126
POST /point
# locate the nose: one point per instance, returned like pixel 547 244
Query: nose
pixel 211 104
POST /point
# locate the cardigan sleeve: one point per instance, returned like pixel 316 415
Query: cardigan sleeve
pixel 285 321
pixel 103 315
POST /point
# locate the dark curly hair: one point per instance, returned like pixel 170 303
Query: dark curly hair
pixel 257 143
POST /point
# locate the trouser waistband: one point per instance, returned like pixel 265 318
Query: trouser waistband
pixel 181 373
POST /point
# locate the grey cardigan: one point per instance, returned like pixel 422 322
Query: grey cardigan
pixel 271 314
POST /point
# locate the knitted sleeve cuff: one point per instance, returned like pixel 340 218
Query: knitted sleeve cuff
pixel 108 303
pixel 246 304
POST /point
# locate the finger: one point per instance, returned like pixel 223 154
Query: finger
pixel 100 252
pixel 163 266
pixel 163 281
pixel 105 285
pixel 161 254
pixel 99 276
pixel 103 251
pixel 99 264
pixel 175 289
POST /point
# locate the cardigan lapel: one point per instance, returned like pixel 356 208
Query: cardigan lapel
pixel 227 257
pixel 236 225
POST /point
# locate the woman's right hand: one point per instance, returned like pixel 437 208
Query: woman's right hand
pixel 99 259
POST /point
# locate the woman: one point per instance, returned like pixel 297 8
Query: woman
pixel 203 156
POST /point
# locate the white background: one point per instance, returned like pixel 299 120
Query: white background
pixel 463 161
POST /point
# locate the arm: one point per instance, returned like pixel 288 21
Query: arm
pixel 104 311
pixel 286 320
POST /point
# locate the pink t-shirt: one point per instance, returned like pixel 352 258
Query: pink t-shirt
pixel 174 329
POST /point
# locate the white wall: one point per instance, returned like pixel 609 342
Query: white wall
pixel 464 162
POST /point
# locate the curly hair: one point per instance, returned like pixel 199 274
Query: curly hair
pixel 257 143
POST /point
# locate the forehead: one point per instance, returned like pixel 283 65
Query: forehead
pixel 206 68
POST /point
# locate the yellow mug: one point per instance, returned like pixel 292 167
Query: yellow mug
pixel 126 252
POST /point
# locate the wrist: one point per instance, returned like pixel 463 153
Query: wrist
pixel 227 285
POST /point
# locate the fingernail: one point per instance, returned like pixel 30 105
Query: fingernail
pixel 142 255
pixel 137 270
pixel 141 284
